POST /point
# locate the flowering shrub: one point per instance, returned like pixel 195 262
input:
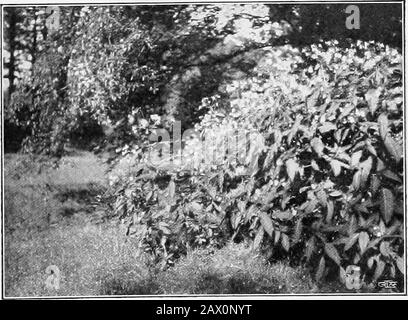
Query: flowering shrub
pixel 327 184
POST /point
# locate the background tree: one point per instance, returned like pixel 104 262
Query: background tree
pixel 22 44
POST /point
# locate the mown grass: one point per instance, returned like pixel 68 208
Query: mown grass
pixel 49 221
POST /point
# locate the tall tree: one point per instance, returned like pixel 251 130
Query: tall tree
pixel 11 19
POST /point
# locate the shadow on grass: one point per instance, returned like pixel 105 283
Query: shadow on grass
pixel 82 193
pixel 208 283
pixel 117 286
pixel 213 283
pixel 234 269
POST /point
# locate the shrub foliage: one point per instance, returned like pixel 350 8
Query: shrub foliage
pixel 326 189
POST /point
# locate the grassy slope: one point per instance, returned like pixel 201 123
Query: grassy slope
pixel 49 220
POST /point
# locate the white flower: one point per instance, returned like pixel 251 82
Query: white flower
pixel 143 123
pixel 131 119
pixel 155 118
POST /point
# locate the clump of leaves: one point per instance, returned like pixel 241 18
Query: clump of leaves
pixel 169 213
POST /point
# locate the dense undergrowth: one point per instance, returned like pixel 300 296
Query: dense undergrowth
pixel 321 185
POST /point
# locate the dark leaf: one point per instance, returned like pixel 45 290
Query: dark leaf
pixel 386 204
pixel 394 148
pixel 400 264
pixel 310 248
pixel 363 240
pixel 317 146
pixel 266 222
pixel 320 269
pixel 322 197
pixel 282 215
pixel 298 231
pixel 336 166
pixel 365 169
pixel 277 236
pixel 357 180
pixel 352 240
pixel 336 193
pixel 391 175
pixel 342 275
pixel 385 249
pixel 172 190
pixel 383 125
pixel 374 183
pixel 292 168
pixel 355 158
pixel 327 126
pixel 330 211
pixel 285 242
pixel 372 97
pixel 379 269
pixel 331 251
pixel 370 262
pixel 259 237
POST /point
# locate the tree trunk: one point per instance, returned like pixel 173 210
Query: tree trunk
pixel 33 49
pixel 12 32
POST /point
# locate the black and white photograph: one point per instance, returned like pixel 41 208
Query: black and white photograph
pixel 203 149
